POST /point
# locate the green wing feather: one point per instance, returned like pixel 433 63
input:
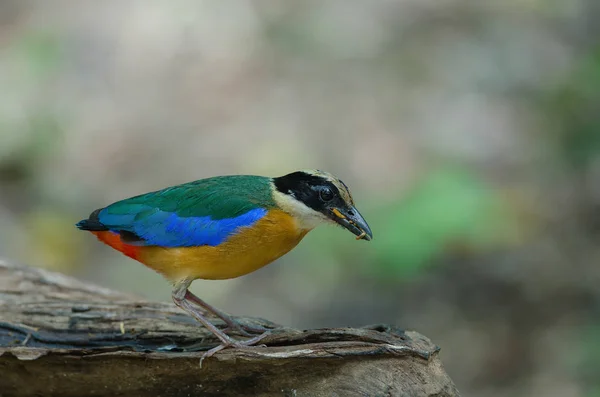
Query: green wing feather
pixel 219 197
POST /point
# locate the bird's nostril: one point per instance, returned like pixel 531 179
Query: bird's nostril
pixel 351 212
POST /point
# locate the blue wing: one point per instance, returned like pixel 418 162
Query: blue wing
pixel 168 229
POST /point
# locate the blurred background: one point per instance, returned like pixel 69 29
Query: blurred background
pixel 468 131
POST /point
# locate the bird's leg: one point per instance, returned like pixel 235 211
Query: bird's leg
pixel 243 329
pixel 179 296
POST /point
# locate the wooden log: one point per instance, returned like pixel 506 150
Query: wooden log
pixel 63 337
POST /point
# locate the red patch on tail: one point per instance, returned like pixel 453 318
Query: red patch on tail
pixel 114 240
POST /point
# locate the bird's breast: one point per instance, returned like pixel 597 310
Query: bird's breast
pixel 244 252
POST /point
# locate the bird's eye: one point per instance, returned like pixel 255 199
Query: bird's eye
pixel 326 194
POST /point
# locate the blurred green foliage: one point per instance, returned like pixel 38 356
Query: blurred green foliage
pixel 575 109
pixel 41 51
pixel 589 364
pixel 575 106
pixel 26 137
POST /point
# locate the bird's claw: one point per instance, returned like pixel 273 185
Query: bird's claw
pixel 235 344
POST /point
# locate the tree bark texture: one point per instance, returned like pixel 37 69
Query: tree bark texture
pixel 62 337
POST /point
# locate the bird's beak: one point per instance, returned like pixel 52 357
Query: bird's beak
pixel 352 220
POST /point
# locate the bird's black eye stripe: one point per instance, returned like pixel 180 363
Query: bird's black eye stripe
pixel 326 194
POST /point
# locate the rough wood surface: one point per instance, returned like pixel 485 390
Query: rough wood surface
pixel 62 337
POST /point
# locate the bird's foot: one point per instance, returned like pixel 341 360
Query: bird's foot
pixel 235 326
pixel 246 329
pixel 234 344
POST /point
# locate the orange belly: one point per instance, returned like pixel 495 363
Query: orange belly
pixel 252 248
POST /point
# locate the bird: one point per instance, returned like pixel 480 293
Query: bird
pixel 223 227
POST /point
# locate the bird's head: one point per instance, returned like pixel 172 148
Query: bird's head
pixel 314 197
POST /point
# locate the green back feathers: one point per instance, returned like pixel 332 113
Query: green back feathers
pixel 219 198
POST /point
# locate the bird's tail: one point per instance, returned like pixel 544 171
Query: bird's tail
pixel 112 239
pixel 92 224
